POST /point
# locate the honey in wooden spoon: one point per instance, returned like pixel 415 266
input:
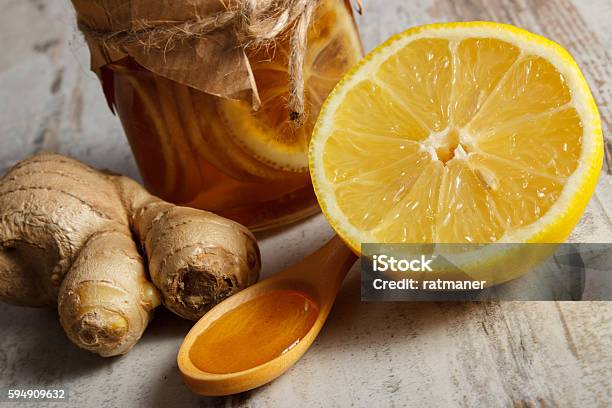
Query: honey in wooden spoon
pixel 254 336
pixel 255 332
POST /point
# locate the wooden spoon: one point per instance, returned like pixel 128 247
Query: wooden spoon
pixel 316 280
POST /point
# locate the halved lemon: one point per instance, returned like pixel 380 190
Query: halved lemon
pixel 268 135
pixel 458 132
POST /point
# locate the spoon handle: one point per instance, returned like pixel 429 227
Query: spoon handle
pixel 326 268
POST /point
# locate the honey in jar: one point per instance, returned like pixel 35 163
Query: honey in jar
pixel 225 155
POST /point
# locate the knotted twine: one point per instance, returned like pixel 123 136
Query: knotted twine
pixel 255 23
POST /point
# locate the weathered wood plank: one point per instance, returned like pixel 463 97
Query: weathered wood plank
pixel 410 354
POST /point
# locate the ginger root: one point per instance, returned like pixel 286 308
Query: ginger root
pixel 67 237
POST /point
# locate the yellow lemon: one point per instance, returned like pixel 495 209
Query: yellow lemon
pixel 459 132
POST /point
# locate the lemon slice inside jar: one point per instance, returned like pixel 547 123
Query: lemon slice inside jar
pixel 267 135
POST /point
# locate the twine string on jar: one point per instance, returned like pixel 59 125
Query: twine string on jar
pixel 256 23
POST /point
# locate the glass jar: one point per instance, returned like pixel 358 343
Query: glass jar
pixel 203 151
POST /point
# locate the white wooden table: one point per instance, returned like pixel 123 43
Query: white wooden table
pixel 402 354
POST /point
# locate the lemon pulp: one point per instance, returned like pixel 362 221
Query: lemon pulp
pixel 460 132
